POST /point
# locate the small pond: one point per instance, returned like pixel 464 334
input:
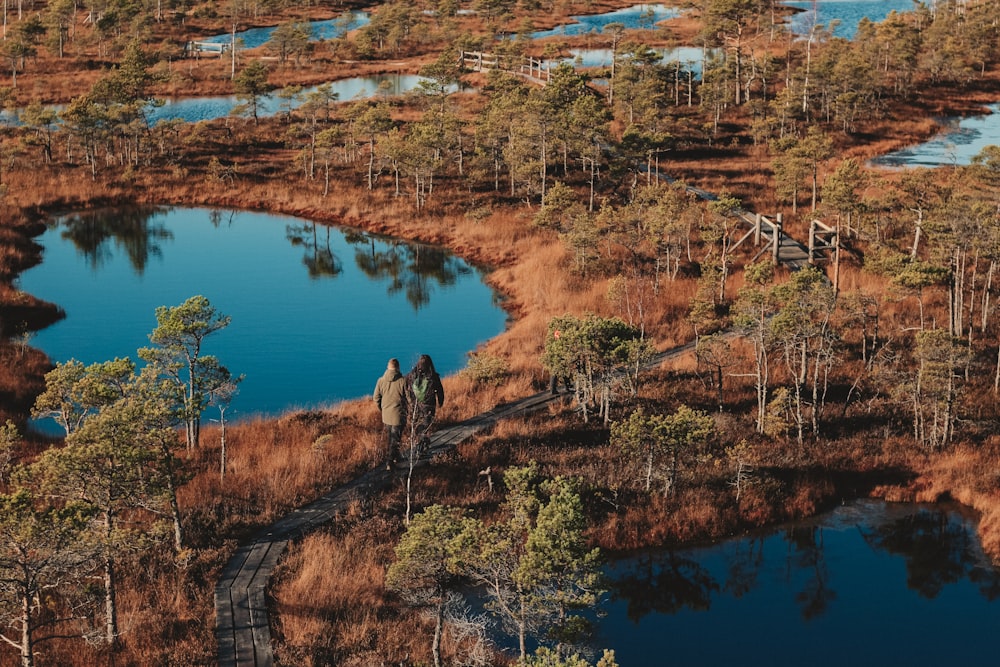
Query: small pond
pixel 847 12
pixel 961 140
pixel 316 310
pixel 868 584
pixel 636 17
pixel 194 109
pixel 321 30
pixel 690 58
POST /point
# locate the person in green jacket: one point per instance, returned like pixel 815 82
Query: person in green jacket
pixel 390 397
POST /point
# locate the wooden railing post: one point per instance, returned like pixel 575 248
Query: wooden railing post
pixel 836 259
pixel 776 241
pixel 812 242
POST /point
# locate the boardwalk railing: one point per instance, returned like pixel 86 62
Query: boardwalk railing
pixel 206 47
pixel 822 238
pixel 526 66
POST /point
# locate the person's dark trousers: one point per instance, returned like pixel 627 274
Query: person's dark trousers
pixel 394 435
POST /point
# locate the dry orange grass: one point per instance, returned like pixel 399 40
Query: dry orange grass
pixel 331 594
pixel 276 465
pixel 969 474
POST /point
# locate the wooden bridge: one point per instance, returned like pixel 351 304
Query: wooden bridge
pixel 196 48
pixel 770 237
pixel 525 66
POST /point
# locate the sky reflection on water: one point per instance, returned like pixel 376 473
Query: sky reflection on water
pixel 316 311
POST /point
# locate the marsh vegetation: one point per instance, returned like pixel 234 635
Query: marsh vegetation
pixel 875 374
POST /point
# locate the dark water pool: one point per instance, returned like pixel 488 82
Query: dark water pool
pixel 871 584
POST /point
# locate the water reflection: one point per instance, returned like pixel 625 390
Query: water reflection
pixel 319 258
pixel 132 231
pixel 938 550
pixel 409 269
pixel 806 556
pixel 310 327
pixel 899 571
pixel 664 585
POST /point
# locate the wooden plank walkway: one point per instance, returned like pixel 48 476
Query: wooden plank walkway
pixel 242 630
pixel 791 253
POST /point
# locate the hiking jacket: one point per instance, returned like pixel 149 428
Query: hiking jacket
pixel 390 397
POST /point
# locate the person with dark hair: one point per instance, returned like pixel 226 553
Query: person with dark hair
pixel 390 397
pixel 426 394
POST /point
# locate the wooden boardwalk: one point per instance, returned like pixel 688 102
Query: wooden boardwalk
pixel 789 252
pixel 242 628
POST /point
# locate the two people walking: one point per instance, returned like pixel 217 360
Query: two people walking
pixel 414 399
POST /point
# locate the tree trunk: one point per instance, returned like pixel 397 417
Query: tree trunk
pixel 110 604
pixel 438 627
pixel 222 445
pixel 916 234
pixel 27 647
pixel 985 311
pixel 175 510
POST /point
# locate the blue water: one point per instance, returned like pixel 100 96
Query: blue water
pixel 871 584
pixel 304 334
pixel 690 57
pixel 197 109
pixel 328 29
pixel 962 140
pixel 848 12
pixel 639 16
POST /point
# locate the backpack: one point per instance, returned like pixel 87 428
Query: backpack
pixel 420 386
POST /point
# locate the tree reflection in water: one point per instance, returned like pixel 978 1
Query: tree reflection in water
pixel 777 606
pixel 131 229
pixel 744 566
pixel 663 584
pixel 805 554
pixel 319 259
pixel 937 546
pixel 408 267
pixel 938 550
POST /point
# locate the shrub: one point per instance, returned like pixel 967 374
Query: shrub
pixel 486 368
